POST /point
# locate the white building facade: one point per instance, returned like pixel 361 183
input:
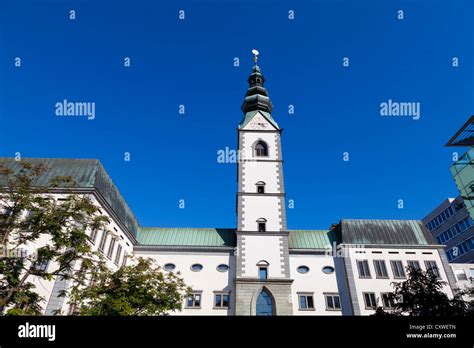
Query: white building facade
pixel 259 267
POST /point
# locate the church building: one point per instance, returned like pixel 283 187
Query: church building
pixel 259 266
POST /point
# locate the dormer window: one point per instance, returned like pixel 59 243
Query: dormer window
pixel 262 225
pixel 261 149
pixel 260 187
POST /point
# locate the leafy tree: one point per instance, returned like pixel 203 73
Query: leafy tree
pixel 138 289
pixel 421 295
pixel 35 230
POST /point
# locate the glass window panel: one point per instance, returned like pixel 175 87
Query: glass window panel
pixel 330 302
pixel 303 303
pixel 218 300
pixel 225 300
pixel 310 301
pixel 337 302
pixel 197 300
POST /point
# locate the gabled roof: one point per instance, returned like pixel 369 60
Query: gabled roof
pixel 399 232
pixel 87 173
pixel 249 115
pixel 200 237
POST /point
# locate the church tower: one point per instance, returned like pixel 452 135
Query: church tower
pixel 262 282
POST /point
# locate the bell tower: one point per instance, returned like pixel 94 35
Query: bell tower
pixel 263 273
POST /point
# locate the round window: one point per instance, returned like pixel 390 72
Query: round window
pixel 328 269
pixel 169 267
pixel 303 269
pixel 222 268
pixel 196 267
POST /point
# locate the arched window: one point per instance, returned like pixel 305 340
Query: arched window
pixel 260 187
pixel 264 304
pixel 262 225
pixel 261 149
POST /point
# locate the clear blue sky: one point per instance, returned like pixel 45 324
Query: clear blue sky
pixel 190 62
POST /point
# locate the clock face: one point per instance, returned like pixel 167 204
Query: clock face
pixel 258 123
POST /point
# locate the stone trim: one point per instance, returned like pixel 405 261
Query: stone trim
pixel 268 280
pixel 240 257
pixel 448 270
pixel 259 130
pixel 267 233
pixel 280 184
pixel 353 299
pixel 55 302
pixel 262 160
pixel 261 194
pixel 285 256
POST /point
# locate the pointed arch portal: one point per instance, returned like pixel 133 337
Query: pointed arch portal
pixel 264 304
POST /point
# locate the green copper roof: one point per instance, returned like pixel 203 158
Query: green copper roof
pixel 309 239
pixel 87 173
pixel 400 232
pixel 203 237
pixel 257 97
pixel 249 115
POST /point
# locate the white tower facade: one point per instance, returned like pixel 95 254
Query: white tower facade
pixel 263 273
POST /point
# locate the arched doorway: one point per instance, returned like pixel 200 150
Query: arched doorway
pixel 264 304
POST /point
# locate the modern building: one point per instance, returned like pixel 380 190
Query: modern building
pixel 451 225
pixel 463 169
pixel 259 266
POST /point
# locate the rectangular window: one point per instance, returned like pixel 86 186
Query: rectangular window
pixel 124 261
pixel 262 273
pixel 221 300
pixel 397 267
pixel 413 264
pixel 333 302
pixel 363 266
pixel 380 269
pixel 111 248
pixel 369 299
pixel 460 274
pixel 387 300
pixel 194 300
pixel 102 241
pixel 93 235
pixel 432 267
pixel 40 266
pixel 117 256
pixel 306 301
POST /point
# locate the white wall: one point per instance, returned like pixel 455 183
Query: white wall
pixel 384 285
pixel 208 280
pixel 314 281
pixel 262 248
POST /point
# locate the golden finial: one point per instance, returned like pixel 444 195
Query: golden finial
pixel 255 55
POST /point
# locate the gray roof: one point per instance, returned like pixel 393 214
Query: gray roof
pixel 400 232
pixel 87 173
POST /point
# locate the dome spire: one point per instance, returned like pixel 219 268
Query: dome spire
pixel 256 97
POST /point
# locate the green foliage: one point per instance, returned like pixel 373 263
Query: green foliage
pixel 50 230
pixel 139 289
pixel 421 295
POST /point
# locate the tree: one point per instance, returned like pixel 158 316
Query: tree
pixel 38 230
pixel 138 289
pixel 421 295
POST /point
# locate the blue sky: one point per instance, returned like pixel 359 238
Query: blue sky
pixel 190 62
